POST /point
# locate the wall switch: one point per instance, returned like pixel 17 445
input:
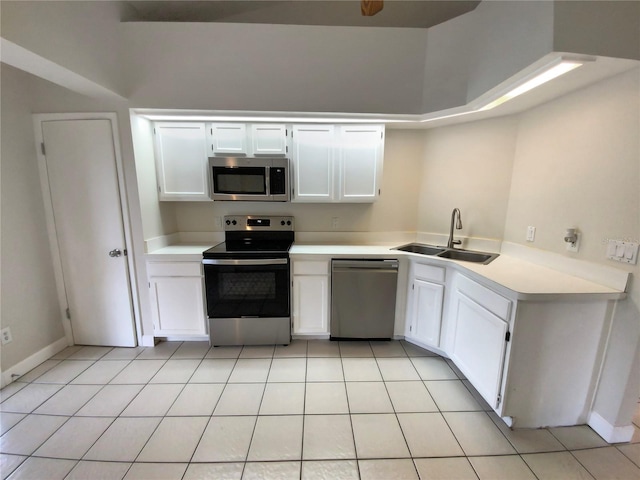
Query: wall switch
pixel 334 222
pixel 625 252
pixel 531 233
pixel 5 334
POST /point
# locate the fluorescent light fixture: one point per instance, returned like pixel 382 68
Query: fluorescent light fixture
pixel 549 73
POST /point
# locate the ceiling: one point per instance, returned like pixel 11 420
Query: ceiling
pixel 396 13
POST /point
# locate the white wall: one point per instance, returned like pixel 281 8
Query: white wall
pixel 80 36
pixel 610 28
pixel 273 67
pixel 468 166
pixel 577 163
pixel 29 303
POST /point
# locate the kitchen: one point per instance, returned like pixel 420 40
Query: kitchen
pixel 505 163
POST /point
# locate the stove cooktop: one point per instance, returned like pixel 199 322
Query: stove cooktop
pixel 254 237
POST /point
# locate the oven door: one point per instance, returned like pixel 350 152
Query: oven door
pixel 247 287
pixel 248 301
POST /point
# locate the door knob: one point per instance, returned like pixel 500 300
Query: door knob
pixel 115 253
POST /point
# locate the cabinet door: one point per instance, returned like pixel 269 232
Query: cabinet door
pixel 312 163
pixel 479 342
pixel 267 139
pixel 310 304
pixel 177 304
pixel 426 312
pixel 360 163
pixel 228 139
pixel 181 161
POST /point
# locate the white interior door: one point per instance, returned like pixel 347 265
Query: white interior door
pixel 85 196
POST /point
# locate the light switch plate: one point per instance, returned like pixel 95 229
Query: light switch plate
pixel 624 252
pixel 531 233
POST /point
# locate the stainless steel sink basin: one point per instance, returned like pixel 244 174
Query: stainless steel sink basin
pixel 420 248
pixel 450 253
pixel 469 256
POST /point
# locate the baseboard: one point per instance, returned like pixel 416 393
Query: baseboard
pixel 32 362
pixel 608 432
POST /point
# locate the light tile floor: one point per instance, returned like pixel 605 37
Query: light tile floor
pixel 311 410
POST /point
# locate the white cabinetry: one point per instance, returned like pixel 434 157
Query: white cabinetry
pixel 227 139
pixel 181 161
pixel 240 139
pixel 360 162
pixel 268 139
pixel 177 298
pixel 310 293
pixel 313 163
pixel 424 305
pixel 337 163
pixel 479 326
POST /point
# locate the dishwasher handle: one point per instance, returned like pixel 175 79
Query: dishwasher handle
pixel 344 265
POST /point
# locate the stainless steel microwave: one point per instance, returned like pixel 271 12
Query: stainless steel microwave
pixel 252 179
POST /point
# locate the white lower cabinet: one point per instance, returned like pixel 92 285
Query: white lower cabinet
pixel 478 345
pixel 177 298
pixel 424 305
pixel 310 293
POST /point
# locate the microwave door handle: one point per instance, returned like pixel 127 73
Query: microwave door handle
pixel 255 261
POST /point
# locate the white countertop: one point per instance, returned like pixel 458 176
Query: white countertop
pixel 522 279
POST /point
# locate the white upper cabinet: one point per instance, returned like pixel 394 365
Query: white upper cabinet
pixel 227 139
pixel 360 160
pixel 312 163
pixel 240 139
pixel 181 161
pixel 337 163
pixel 268 139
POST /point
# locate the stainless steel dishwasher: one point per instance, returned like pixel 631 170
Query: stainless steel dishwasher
pixel 363 298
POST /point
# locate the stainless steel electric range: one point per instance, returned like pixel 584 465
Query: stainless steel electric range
pixel 247 282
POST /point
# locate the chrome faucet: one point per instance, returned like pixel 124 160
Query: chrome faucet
pixel 451 242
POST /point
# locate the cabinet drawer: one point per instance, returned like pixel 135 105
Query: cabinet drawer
pixel 174 269
pixel 310 268
pixel 495 303
pixel 428 272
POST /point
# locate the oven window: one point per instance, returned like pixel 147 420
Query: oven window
pixel 245 180
pixel 235 291
pixel 247 286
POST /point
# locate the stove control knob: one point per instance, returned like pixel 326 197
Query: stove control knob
pixel 281 222
pixel 228 222
pixel 288 222
pixel 234 222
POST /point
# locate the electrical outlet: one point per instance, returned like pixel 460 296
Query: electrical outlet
pixel 334 222
pixel 6 335
pixel 531 233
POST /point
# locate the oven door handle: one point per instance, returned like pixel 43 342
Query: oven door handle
pixel 254 261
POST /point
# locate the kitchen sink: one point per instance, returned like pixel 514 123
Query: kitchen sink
pixel 420 248
pixel 469 256
pixel 450 253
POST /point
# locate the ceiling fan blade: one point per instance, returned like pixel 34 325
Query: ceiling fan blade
pixel 369 8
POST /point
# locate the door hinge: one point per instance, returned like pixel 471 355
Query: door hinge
pixel 499 399
pixel 507 337
pixel 413 286
pixel 154 130
pixel 42 148
pixel 411 328
pixel 68 312
pixel 159 189
pixel 379 192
